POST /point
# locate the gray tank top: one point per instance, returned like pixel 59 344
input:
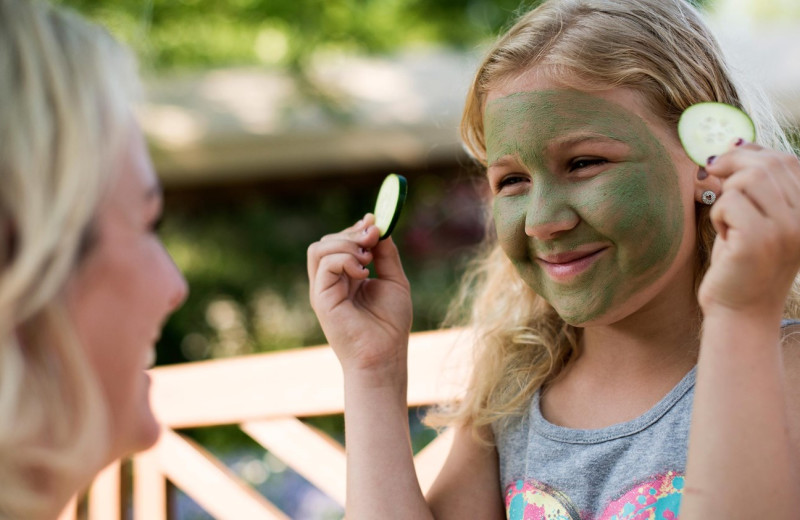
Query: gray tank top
pixel 629 471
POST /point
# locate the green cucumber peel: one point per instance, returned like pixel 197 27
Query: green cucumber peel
pixel 389 203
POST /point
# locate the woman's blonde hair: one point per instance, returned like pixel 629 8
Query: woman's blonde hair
pixel 67 89
pixel 660 48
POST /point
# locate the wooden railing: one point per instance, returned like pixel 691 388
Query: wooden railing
pixel 265 394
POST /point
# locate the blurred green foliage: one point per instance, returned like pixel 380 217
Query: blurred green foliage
pixel 243 253
pixel 180 34
pixel 192 34
pixel 244 257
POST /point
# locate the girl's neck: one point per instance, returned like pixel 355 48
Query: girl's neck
pixel 663 332
pixel 626 367
pixel 650 338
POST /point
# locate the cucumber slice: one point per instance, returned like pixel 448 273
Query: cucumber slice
pixel 707 129
pixel 390 201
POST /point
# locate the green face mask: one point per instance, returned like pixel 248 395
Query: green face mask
pixel 629 202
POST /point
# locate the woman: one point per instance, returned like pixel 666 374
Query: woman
pixel 86 283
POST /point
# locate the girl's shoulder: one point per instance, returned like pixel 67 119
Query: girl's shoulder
pixel 791 368
pixel 790 339
pixel 790 332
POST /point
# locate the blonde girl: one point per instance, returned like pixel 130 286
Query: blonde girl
pixel 631 361
pixel 85 283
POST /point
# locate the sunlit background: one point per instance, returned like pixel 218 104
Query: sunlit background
pixel 272 122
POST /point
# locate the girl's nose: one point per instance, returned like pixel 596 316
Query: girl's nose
pixel 549 215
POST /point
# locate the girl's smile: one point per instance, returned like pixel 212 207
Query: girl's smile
pixel 566 266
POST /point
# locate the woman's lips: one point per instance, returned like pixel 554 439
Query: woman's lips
pixel 562 267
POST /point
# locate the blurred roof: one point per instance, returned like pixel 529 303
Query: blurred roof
pixel 235 124
pixel 395 112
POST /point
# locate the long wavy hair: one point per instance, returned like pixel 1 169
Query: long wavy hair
pixel 659 48
pixel 67 89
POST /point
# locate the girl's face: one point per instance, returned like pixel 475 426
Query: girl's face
pixel 122 292
pixel 593 197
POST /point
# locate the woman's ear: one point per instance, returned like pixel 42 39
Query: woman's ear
pixel 705 182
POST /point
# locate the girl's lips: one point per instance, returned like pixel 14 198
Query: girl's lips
pixel 563 267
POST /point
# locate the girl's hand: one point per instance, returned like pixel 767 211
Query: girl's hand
pixel 366 320
pixel 756 254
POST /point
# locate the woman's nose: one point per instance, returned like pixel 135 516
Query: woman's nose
pixel 179 289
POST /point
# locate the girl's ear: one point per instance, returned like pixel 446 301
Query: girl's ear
pixel 705 182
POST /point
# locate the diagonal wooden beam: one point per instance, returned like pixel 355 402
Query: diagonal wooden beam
pixel 308 451
pixel 210 483
pixel 321 460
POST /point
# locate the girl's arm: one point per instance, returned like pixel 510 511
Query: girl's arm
pixel 743 451
pixel 469 483
pixel 367 323
pixel 381 480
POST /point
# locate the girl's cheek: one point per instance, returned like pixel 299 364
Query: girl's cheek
pixel 509 220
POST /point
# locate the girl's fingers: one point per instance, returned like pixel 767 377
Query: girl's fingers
pixel 725 165
pixel 363 235
pixel 319 250
pixel 780 169
pixel 748 155
pixel 734 210
pixel 788 178
pixel 333 279
pixel 355 231
pixel 387 262
pixel 352 230
pixel 761 188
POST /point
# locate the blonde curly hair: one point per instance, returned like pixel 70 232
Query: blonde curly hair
pixel 67 88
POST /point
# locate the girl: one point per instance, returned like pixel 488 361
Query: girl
pixel 85 284
pixel 631 360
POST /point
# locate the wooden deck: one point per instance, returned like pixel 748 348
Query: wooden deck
pixel 265 395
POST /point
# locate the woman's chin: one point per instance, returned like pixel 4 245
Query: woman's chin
pixel 149 432
pixel 137 435
pixel 147 429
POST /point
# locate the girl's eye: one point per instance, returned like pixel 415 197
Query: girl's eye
pixel 579 164
pixel 509 181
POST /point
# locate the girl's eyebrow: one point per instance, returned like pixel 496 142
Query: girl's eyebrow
pixel 504 161
pixel 576 139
